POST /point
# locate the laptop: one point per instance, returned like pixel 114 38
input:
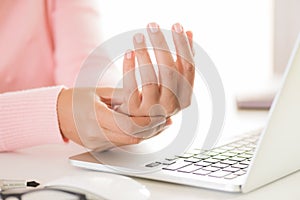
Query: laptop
pixel 257 159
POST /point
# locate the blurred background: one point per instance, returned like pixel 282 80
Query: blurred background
pixel 249 40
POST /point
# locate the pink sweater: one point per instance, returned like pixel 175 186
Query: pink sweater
pixel 42 43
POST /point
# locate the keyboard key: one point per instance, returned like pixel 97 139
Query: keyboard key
pixel 245 155
pixel 239 173
pixel 211 153
pixel 239 159
pixel 248 148
pixel 210 168
pixel 237 151
pixel 201 172
pixel 185 155
pixel 240 166
pixel 166 162
pixel 243 148
pixel 203 164
pixel 245 162
pixel 220 157
pixel 229 154
pixel 211 160
pixel 176 166
pixel 229 162
pixel 171 159
pixel 189 169
pixel 192 159
pixel 154 164
pixel 231 169
pixel 201 156
pixel 231 176
pixel 219 174
pixel 220 165
pixel 250 153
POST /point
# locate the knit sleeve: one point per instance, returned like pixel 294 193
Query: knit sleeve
pixel 29 118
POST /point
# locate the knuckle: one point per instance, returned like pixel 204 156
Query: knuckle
pixel 171 74
pixel 152 90
pixel 188 63
pixel 189 67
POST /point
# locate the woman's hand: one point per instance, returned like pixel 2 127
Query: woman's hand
pixel 168 93
pixel 87 121
pixel 92 120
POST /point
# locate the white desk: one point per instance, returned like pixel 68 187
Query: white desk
pixel 46 163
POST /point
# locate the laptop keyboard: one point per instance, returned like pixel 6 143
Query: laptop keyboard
pixel 228 161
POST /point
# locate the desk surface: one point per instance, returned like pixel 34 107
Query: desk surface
pixel 49 162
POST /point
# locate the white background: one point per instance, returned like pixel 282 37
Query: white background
pixel 237 34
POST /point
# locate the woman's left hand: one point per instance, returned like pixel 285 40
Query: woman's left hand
pixel 162 95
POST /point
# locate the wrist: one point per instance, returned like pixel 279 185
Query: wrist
pixel 65 116
pixel 60 114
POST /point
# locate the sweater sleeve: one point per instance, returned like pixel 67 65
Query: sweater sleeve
pixel 29 118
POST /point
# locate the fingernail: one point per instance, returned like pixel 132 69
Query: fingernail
pixel 178 28
pixel 128 54
pixel 139 38
pixel 153 27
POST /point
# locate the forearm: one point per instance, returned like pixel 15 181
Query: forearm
pixel 29 118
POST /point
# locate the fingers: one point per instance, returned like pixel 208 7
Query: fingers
pixel 184 53
pixel 166 65
pixel 176 79
pixel 129 80
pixel 131 98
pixel 161 48
pixel 121 123
pixel 148 133
pixel 189 35
pixel 108 139
pixel 120 138
pixel 185 62
pixel 149 80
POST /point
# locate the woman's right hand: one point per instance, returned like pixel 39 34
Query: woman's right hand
pixel 87 121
